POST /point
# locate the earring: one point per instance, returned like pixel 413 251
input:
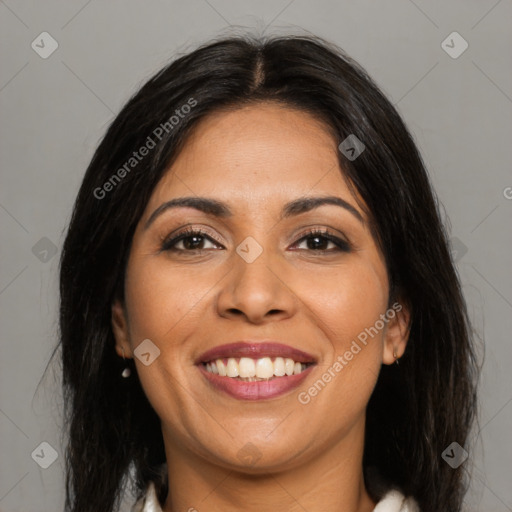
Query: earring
pixel 127 371
pixel 395 355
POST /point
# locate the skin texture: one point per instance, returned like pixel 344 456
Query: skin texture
pixel 256 159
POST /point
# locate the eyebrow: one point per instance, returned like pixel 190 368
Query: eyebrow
pixel 219 209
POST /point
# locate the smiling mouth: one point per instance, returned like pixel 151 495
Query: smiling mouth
pixel 247 369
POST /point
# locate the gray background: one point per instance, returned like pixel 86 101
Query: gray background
pixel 54 111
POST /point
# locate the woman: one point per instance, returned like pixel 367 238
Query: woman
pixel 254 247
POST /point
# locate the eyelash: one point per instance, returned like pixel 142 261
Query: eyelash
pixel 341 245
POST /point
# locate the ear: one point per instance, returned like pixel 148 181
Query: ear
pixel 120 330
pixel 397 332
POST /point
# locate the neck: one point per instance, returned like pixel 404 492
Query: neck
pixel 329 482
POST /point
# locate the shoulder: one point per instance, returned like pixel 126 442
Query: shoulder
pixel 395 501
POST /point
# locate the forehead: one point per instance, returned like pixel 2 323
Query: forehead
pixel 255 155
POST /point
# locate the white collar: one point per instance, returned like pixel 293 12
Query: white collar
pixel 393 501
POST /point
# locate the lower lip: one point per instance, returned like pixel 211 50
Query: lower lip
pixel 257 390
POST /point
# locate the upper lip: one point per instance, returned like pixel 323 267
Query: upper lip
pixel 255 350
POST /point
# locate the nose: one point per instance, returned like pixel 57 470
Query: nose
pixel 259 291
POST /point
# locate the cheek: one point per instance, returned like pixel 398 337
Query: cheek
pixel 159 300
pixel 346 303
pixel 346 300
pixel 164 307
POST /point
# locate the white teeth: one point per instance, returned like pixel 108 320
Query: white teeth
pixel 250 369
pixel 279 370
pixel 264 368
pixel 247 367
pixel 221 367
pixel 289 364
pixel 232 368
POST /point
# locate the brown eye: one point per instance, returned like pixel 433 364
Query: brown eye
pixel 318 241
pixel 190 240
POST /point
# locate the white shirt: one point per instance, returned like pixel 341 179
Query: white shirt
pixel 393 501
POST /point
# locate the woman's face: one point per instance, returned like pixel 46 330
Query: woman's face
pixel 258 275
